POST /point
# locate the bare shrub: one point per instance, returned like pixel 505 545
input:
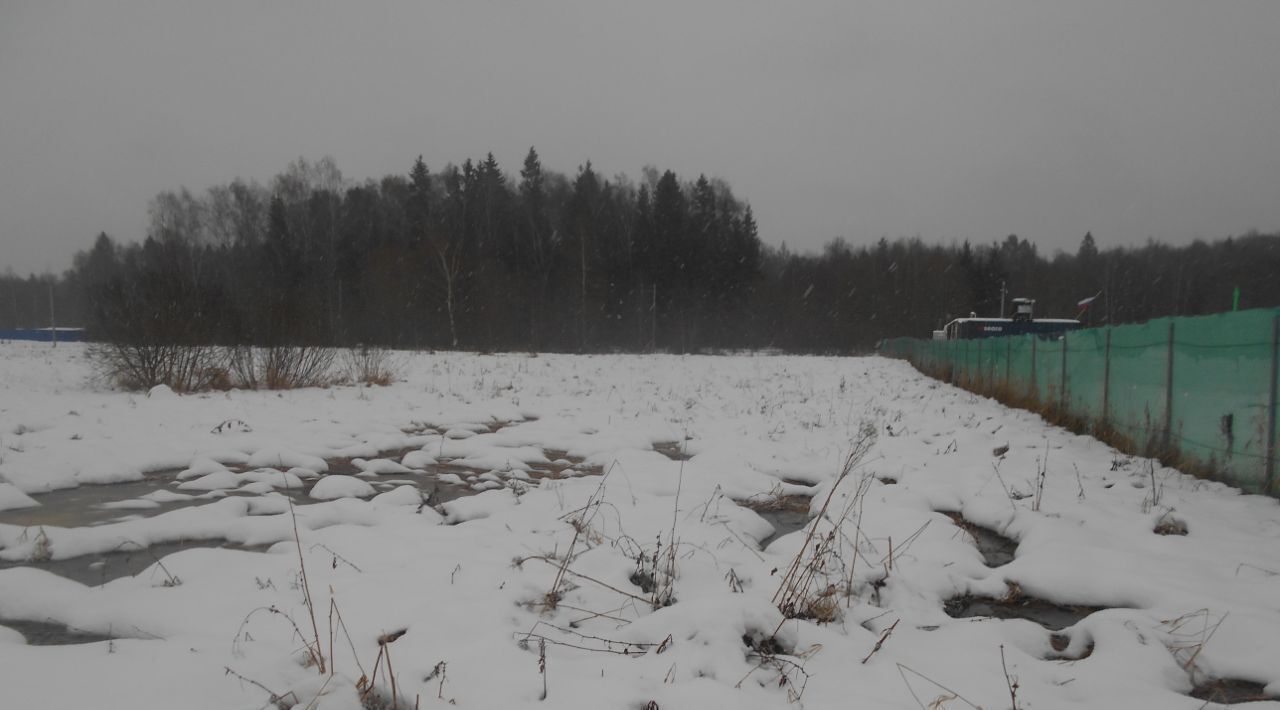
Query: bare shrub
pixel 183 368
pixel 283 366
pixel 243 369
pixel 369 365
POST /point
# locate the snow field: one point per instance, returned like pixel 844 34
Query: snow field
pixel 470 583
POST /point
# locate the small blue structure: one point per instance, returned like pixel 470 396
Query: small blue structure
pixel 44 335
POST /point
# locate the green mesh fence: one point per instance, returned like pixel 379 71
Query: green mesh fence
pixel 1199 389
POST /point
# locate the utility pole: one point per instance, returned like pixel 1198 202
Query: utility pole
pixel 1002 292
pixel 53 319
pixel 653 306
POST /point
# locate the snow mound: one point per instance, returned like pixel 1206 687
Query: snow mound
pixel 218 481
pixel 161 392
pixel 417 459
pixel 200 466
pixel 400 495
pixel 381 467
pixel 277 457
pixel 11 498
pixel 334 487
pixel 10 637
pixel 273 478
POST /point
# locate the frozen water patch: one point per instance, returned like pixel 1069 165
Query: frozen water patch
pixel 1017 605
pixel 786 513
pixel 127 560
pixel 1232 691
pixel 674 450
pixel 96 504
pixel 997 550
pixel 48 633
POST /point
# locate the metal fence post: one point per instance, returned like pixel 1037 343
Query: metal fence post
pixel 991 372
pixel 1062 391
pixel 1008 359
pixel 951 359
pixel 1168 392
pixel 968 372
pixel 978 370
pixel 1271 407
pixel 1035 393
pixel 1106 382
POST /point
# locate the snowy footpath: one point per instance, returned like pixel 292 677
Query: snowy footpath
pixel 518 531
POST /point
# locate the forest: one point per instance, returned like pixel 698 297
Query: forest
pixel 473 258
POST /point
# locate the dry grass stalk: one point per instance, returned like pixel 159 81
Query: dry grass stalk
pixel 366 685
pixel 581 520
pixel 336 557
pixel 542 666
pixel 1042 470
pixel 1011 683
pixel 789 671
pixel 313 644
pixel 282 702
pixel 797 590
pixel 438 672
pixel 569 637
pixel 1188 643
pixel 336 614
pixel 880 643
pixel 939 701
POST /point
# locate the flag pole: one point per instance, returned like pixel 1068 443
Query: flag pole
pixel 1084 306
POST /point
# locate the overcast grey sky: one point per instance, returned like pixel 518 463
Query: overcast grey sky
pixel 945 120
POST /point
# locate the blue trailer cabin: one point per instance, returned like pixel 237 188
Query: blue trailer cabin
pixel 1021 323
pixel 970 328
pixel 44 335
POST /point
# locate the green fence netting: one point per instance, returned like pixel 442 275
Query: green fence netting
pixel 1201 388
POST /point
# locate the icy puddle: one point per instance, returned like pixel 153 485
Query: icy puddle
pixel 786 514
pixel 1228 691
pixel 127 561
pixel 43 633
pixel 97 504
pixel 997 550
pixel 92 505
pixel 1054 617
pixel 673 450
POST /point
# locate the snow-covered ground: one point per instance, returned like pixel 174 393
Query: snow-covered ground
pixel 540 589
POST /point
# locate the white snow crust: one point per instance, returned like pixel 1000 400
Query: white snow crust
pixel 468 583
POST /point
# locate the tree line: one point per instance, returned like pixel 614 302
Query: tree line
pixel 467 257
pixel 471 257
pixel 848 297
